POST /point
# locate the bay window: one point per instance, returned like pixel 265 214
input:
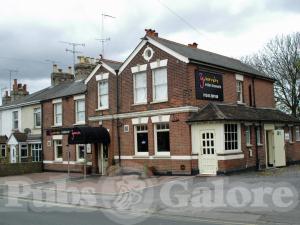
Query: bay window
pixel 24 151
pixel 3 151
pixel 140 87
pixel 160 84
pixel 36 150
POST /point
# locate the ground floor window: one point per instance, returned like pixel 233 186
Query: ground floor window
pixel 248 135
pixel 58 150
pixel 231 136
pixel 36 150
pixel 24 151
pixel 141 139
pixel 162 141
pixel 3 151
pixel 80 152
pixel 291 134
pixel 297 133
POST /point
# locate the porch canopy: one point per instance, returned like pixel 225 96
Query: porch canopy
pixel 89 135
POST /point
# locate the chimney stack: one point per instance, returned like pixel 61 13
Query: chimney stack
pixel 194 45
pixel 25 87
pixel 69 69
pixel 55 68
pixel 151 33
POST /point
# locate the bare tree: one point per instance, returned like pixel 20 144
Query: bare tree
pixel 280 59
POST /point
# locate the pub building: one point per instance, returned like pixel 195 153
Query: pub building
pixel 178 109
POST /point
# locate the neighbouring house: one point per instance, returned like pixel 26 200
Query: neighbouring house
pixel 3 148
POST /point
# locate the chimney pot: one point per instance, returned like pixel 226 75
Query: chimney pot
pixel 55 68
pixel 70 69
pixel 60 70
pixel 194 45
pixel 151 33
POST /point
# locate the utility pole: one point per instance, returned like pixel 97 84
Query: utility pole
pixel 103 39
pixel 73 51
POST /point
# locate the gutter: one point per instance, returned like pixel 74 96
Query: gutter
pixel 19 105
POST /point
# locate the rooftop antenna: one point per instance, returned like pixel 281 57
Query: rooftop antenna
pixel 103 39
pixel 73 51
pixel 11 71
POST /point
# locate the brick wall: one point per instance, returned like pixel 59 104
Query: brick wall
pixel 9 169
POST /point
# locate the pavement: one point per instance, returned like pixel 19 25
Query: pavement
pixel 162 200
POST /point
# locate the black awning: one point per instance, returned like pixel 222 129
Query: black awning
pixel 89 135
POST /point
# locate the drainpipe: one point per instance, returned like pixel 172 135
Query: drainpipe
pixel 118 109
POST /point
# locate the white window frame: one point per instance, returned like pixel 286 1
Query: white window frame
pixel 38 150
pixel 22 148
pixel 154 98
pixel 238 139
pixel 103 95
pixel 37 111
pixel 155 139
pixel 56 115
pixel 15 120
pixel 55 144
pixel 77 152
pixel 77 112
pixel 136 132
pixel 297 132
pixel 248 135
pixel 3 146
pixel 258 135
pixel 144 101
pixel 239 89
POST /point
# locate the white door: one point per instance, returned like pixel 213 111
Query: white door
pixel 279 150
pixel 208 162
pixel 102 161
pixel 13 154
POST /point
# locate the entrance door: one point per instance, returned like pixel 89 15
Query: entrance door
pixel 102 160
pixel 13 154
pixel 279 150
pixel 270 147
pixel 208 162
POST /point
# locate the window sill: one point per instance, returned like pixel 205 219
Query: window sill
pixel 58 161
pixel 140 156
pixel 229 152
pixel 162 156
pixel 57 125
pixel 141 103
pixel 260 145
pixel 291 142
pixel 161 101
pixel 37 128
pixel 249 145
pixel 241 103
pixel 102 109
pixel 79 123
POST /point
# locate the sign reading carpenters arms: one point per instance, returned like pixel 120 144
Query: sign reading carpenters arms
pixel 209 85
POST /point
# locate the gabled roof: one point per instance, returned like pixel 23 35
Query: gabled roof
pixel 188 54
pixel 109 65
pixel 217 112
pixel 210 58
pixel 20 137
pixel 3 139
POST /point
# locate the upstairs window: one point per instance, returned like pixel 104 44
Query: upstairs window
pixel 15 117
pixel 58 114
pixel 231 137
pixel 103 94
pixel 140 87
pixel 37 117
pixel 160 84
pixel 80 111
pixel 239 91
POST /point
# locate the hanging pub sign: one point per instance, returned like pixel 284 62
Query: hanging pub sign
pixel 209 85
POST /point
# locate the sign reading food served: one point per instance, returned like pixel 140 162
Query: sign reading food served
pixel 209 86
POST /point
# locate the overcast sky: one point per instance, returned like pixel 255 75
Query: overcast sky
pixel 31 30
